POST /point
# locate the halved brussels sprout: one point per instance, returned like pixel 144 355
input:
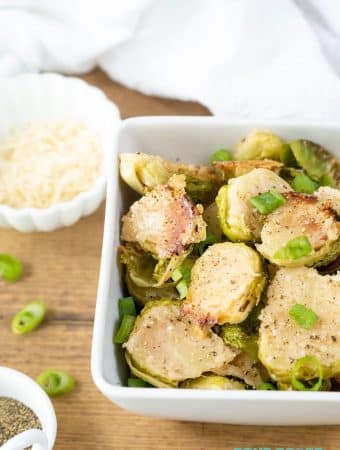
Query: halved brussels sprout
pixel 239 220
pixel 247 369
pixel 164 221
pixel 145 271
pixel 146 294
pixel 226 283
pixel 211 219
pixel 259 144
pixel 232 169
pixel 302 216
pixel 144 172
pixel 169 348
pixel 330 197
pixel 212 382
pixel 235 336
pixel 316 160
pixel 282 340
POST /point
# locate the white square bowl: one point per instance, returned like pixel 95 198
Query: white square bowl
pixel 191 139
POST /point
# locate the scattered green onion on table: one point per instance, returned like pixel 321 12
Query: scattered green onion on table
pixel 29 318
pixel 10 268
pixel 56 382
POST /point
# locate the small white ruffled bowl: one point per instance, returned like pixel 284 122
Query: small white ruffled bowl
pixel 48 97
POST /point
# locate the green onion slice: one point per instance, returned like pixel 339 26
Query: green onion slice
pixel 182 288
pixel 127 306
pixel 29 318
pixel 266 387
pixel 295 249
pixel 137 383
pixel 221 155
pixel 10 267
pixel 304 317
pixel 268 201
pixel 209 240
pixel 307 368
pixel 56 382
pixel 125 329
pixel 302 183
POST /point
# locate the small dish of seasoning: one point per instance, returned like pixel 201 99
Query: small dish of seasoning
pixel 27 418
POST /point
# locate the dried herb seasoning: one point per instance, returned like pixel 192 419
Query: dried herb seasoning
pixel 15 417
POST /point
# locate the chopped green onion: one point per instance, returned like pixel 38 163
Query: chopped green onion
pixel 176 275
pixel 127 306
pixel 311 369
pixel 10 268
pixel 268 201
pixel 221 155
pixel 294 249
pixel 125 329
pixel 56 382
pixel 266 387
pixel 326 180
pixel 304 317
pixel 302 183
pixel 137 383
pixel 209 240
pixel 182 288
pixel 29 318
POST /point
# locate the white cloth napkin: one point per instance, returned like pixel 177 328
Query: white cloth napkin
pixel 244 59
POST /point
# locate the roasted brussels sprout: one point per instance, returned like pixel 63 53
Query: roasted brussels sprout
pixel 316 161
pixel 232 169
pixel 145 271
pixel 239 220
pixel 165 348
pixel 212 382
pixel 144 172
pixel 211 219
pixel 302 218
pixel 145 294
pixel 164 221
pixel 236 336
pixel 283 340
pixel 247 369
pixel 259 144
pixel 226 283
pixel 330 197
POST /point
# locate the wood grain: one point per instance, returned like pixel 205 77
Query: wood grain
pixel 62 269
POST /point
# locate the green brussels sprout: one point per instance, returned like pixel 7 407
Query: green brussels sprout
pixel 239 220
pixel 233 169
pixel 145 271
pixel 235 336
pixel 144 172
pixel 259 144
pixel 316 161
pixel 301 232
pixel 212 382
pixel 329 196
pixel 165 348
pixel 142 295
pixel 283 339
pixel 226 283
pixel 211 219
pixel 164 221
pixel 248 369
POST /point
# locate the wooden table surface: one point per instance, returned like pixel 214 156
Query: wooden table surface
pixel 62 269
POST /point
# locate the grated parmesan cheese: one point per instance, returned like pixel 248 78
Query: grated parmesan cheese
pixel 48 163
